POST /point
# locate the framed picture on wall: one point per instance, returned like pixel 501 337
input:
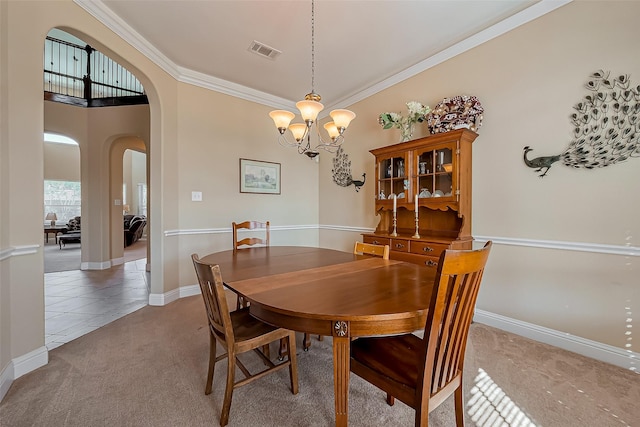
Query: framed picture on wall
pixel 259 177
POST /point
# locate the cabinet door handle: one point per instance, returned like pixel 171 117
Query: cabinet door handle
pixel 428 249
pixel 375 242
pixel 399 245
pixel 431 263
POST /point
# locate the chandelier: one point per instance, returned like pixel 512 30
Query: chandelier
pixel 309 108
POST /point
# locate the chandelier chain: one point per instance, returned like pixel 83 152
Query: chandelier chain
pixel 309 109
pixel 313 49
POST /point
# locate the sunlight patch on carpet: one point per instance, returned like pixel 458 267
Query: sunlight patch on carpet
pixel 489 406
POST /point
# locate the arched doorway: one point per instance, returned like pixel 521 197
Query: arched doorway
pixel 103 218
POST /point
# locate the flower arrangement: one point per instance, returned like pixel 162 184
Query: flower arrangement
pixel 417 113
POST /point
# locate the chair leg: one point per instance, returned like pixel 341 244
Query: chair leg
pixel 228 391
pixel 306 342
pixel 390 400
pixel 266 352
pixel 459 405
pixel 212 363
pixel 293 362
pixel 282 352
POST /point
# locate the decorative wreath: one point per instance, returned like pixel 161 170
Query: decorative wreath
pixel 461 111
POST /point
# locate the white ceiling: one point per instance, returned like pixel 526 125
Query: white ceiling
pixel 361 46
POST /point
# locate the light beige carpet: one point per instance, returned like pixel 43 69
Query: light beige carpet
pixel 149 368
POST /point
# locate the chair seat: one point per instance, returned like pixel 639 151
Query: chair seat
pixel 247 328
pixel 396 358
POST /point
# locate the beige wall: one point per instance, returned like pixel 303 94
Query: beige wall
pixel 61 162
pixel 528 80
pixel 195 136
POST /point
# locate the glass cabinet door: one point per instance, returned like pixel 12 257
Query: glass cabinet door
pixel 392 179
pixel 433 173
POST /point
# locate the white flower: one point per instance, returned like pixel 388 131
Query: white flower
pixel 414 107
pixel 417 113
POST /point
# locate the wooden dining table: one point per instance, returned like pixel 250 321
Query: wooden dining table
pixel 332 293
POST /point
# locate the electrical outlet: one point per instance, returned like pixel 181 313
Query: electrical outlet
pixel 196 196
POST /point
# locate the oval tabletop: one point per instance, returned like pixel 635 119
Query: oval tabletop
pixel 309 289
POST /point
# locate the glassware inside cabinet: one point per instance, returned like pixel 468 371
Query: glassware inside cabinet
pixel 444 159
pixel 425 163
pixel 443 185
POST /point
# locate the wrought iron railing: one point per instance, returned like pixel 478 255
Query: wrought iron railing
pixel 83 72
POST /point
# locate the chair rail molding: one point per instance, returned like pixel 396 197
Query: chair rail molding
pixel 624 250
pixel 18 250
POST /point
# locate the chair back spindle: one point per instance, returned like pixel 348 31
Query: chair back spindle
pixel 250 241
pixel 371 249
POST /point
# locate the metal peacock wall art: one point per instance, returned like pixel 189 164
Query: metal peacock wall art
pixel 342 171
pixel 606 126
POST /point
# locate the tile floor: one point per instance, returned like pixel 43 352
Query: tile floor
pixel 78 302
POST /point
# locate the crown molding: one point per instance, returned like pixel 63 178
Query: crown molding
pixel 228 88
pixel 537 10
pixel 102 13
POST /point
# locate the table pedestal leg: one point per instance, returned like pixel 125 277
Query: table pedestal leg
pixel 341 363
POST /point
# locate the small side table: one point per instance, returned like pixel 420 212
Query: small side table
pixel 55 230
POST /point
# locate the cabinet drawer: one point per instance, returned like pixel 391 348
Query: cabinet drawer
pixel 399 245
pixel 375 240
pixel 425 261
pixel 427 248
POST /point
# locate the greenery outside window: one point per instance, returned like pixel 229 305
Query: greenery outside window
pixel 63 198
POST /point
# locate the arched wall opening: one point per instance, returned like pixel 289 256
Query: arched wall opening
pixel 97 129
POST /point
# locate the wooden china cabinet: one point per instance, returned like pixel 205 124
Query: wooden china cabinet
pixel 437 169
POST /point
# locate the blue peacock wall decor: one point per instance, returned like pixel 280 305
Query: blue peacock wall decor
pixel 606 126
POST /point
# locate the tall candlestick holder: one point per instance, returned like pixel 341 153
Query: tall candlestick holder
pixel 395 223
pixel 417 235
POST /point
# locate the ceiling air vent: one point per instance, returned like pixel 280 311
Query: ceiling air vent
pixel 264 50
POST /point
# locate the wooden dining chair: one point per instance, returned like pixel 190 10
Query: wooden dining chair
pixel 423 372
pixel 238 332
pixel 371 249
pixel 250 241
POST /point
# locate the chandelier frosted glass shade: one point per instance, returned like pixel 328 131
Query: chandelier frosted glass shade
pixel 309 110
pixel 282 119
pixel 342 118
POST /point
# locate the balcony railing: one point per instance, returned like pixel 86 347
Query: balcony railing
pixel 83 76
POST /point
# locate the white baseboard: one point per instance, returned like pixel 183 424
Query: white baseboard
pixel 164 299
pixel 626 359
pixel 167 297
pixel 189 291
pixel 22 365
pixel 6 379
pixel 30 361
pixel 117 261
pixel 95 265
